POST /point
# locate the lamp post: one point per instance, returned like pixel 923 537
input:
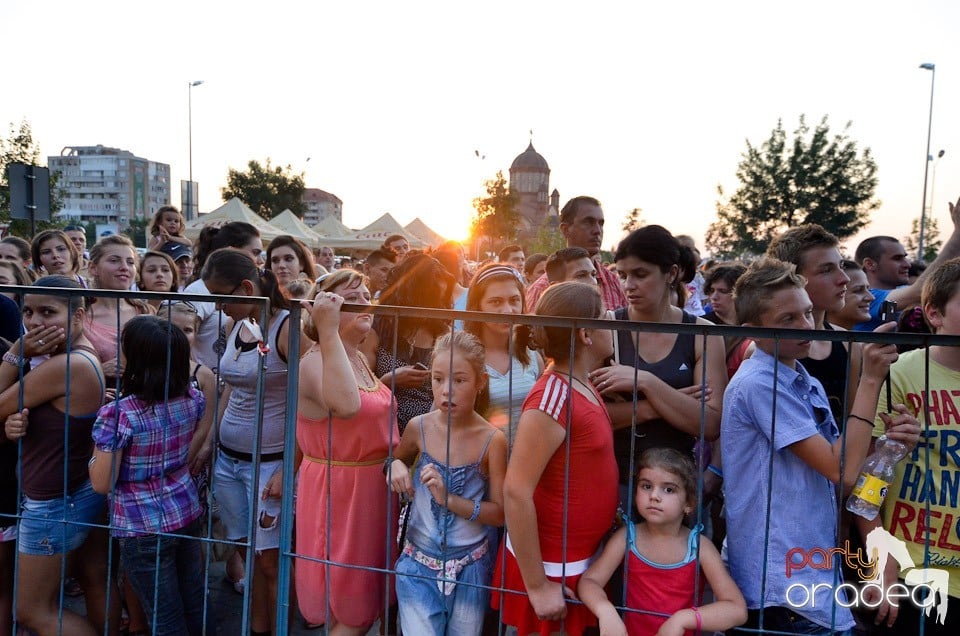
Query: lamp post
pixel 928 66
pixel 190 202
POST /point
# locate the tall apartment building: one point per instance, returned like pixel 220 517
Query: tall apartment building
pixel 318 205
pixel 109 185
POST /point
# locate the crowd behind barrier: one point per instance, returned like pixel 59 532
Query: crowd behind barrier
pixel 290 559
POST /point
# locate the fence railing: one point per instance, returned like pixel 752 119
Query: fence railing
pixel 289 558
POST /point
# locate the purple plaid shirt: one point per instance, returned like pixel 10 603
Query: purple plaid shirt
pixel 154 491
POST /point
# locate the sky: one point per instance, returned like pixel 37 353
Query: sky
pixel 643 104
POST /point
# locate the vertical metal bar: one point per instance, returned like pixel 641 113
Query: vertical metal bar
pixel 289 448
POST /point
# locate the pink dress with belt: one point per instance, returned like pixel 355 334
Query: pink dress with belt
pixel 349 494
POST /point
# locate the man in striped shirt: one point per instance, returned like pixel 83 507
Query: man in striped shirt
pixel 581 222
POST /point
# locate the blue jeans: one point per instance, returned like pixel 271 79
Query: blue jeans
pixel 176 576
pixel 59 525
pixel 426 609
pixel 782 619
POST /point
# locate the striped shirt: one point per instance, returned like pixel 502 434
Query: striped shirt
pixel 154 490
pixel 611 291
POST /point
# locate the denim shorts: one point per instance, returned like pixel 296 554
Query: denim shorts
pixel 427 605
pixel 61 525
pixel 232 486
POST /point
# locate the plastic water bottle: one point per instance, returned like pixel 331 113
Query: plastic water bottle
pixel 875 478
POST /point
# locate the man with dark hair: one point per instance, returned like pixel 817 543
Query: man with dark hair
pixel 377 267
pixel 885 262
pixel 571 264
pixel 513 256
pixel 581 223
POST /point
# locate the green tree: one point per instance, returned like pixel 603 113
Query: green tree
pixel 19 147
pixel 496 215
pixel 812 178
pixel 267 189
pixel 137 231
pixel 931 239
pixel 549 239
pixel 633 221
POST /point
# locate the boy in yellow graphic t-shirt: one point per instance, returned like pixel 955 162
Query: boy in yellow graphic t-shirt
pixel 929 477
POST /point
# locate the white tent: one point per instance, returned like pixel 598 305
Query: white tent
pixel 423 232
pixel 232 210
pixel 291 224
pixel 331 226
pixel 372 236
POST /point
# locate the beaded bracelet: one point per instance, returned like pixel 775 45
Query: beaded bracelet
pixel 476 509
pixel 14 359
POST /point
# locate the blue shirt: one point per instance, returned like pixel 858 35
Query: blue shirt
pixel 803 503
pixel 879 295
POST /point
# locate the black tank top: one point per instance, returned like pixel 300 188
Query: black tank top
pixel 676 370
pixel 832 373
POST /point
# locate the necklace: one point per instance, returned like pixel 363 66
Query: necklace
pixel 567 374
pixel 367 381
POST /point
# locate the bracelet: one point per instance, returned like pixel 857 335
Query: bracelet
pixel 476 509
pixel 90 463
pixel 716 471
pixel 12 358
pixel 862 419
pixel 696 613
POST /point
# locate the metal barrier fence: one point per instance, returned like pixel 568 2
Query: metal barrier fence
pixel 289 557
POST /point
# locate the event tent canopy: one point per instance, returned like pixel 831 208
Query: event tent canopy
pixel 331 226
pixel 423 232
pixel 232 210
pixel 291 224
pixel 372 236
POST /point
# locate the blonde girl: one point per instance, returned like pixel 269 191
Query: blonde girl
pixel 167 226
pixel 666 561
pixel 457 491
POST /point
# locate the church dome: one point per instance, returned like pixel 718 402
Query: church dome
pixel 530 159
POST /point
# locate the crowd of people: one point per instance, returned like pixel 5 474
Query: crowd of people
pixel 455 476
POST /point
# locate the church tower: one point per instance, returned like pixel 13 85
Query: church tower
pixel 530 182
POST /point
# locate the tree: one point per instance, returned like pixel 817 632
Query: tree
pixel 633 221
pixel 811 179
pixel 931 239
pixel 19 147
pixel 267 189
pixel 496 216
pixel 137 231
pixel 549 239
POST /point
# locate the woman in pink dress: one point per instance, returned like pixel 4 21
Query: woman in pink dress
pixel 344 513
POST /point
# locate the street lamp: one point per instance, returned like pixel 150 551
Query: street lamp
pixel 928 66
pixel 190 202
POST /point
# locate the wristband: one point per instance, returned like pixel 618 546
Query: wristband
pixel 12 358
pixel 716 471
pixel 696 612
pixel 476 509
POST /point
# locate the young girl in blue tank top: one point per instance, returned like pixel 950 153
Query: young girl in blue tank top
pixel 664 570
pixel 459 462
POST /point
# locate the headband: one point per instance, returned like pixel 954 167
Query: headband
pixel 499 270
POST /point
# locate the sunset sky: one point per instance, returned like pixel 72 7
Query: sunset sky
pixel 639 104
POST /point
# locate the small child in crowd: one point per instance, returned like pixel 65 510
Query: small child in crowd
pixel 794 439
pixel 141 444
pixel 457 490
pixel 664 557
pixel 167 226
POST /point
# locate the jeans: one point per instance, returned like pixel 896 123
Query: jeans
pixel 782 619
pixel 426 609
pixel 60 525
pixel 176 576
pixel 233 490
